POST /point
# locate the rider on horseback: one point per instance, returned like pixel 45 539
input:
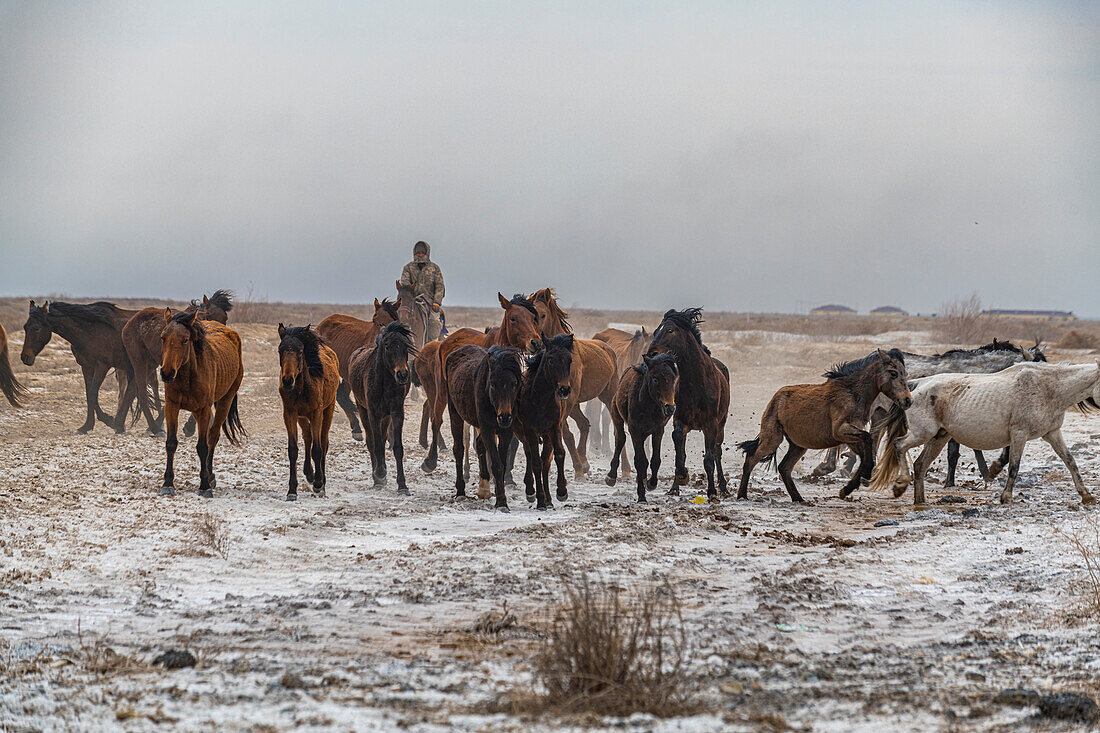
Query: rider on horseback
pixel 426 280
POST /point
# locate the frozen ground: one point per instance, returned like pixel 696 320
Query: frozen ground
pixel 357 611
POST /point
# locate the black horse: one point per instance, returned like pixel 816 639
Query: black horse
pixel 644 402
pixel 540 416
pixel 483 385
pixel 379 376
pixel 702 396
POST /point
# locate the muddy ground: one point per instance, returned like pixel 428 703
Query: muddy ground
pixel 359 610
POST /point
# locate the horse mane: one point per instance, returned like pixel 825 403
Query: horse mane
pixel 507 358
pixel 191 322
pixel 848 368
pixel 521 300
pixel 689 320
pixel 549 297
pixel 657 360
pixel 400 331
pixel 99 312
pixel 562 340
pixel 311 348
pixel 390 307
pixel 988 348
pixel 222 299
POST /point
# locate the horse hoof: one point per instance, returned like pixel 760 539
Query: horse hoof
pixel 509 484
pixel 1088 499
pixel 167 491
pixel 319 492
pixel 83 431
pixel 864 481
pixel 713 499
pixel 207 494
pixel 530 498
pixel 609 480
pixel 292 497
pixel 674 491
pixel 562 494
pixel 682 480
pixel 460 497
pixel 427 467
pixel 642 500
pixel 503 509
pixel 357 437
pixel 540 509
pixel 404 491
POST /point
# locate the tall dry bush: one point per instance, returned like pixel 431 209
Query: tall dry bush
pixel 615 653
pixel 1084 540
pixel 961 320
pixel 1075 339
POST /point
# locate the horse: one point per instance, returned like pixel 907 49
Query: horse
pixel 9 385
pixel 644 401
pixel 628 350
pixel 344 334
pixel 516 330
pixel 593 375
pixel 379 376
pixel 200 366
pixel 94 331
pixel 992 357
pixel 824 415
pixel 541 406
pixel 984 411
pixel 309 375
pixel 482 388
pixel 141 339
pixel 702 394
pixel 414 311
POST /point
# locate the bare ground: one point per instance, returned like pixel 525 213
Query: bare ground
pixel 359 610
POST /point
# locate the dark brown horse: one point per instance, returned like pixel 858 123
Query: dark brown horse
pixel 379 376
pixel 344 334
pixel 414 311
pixel 201 366
pixel 141 339
pixel 702 396
pixel 540 416
pixel 94 331
pixel 628 348
pixel 308 378
pixel 9 385
pixel 482 387
pixel 644 402
pixel 825 415
pixel 516 330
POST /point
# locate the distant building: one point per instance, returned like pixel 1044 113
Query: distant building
pixel 832 310
pixel 888 310
pixel 1031 314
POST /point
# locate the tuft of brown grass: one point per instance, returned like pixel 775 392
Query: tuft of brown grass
pixel 1075 339
pixel 961 320
pixel 613 653
pixel 1084 539
pixel 95 655
pixel 212 534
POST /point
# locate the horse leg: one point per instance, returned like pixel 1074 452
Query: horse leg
pixel 531 456
pixel 125 398
pixel 578 464
pixel 171 417
pixel 307 444
pixel 459 445
pixel 90 384
pixel 710 441
pixel 559 459
pixel 592 414
pixel 1054 439
pixel 494 446
pixel 1015 453
pixel 510 461
pixel 920 466
pixel 100 413
pixel 542 490
pixel 983 469
pixel 484 491
pixel 794 454
pixel 679 436
pixel 432 459
pixel 620 441
pixel 380 428
pixel 202 419
pixel 997 465
pixel 290 420
pixel 316 424
pixel 425 418
pixel 397 422
pixel 584 426
pixel 347 404
pixel 859 440
pixel 466 431
pixel 828 463
pixel 641 464
pixel 952 462
pixel 850 458
pixel 759 450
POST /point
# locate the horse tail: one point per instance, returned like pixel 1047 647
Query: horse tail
pixel 888 468
pixel 749 449
pixel 414 375
pixel 10 386
pixel 232 427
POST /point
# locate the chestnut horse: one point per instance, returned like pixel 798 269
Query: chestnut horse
pixel 94 331
pixel 628 350
pixel 379 375
pixel 702 395
pixel 308 377
pixel 141 339
pixel 825 415
pixel 593 374
pixel 540 416
pixel 644 402
pixel 344 334
pixel 200 366
pixel 9 385
pixel 516 330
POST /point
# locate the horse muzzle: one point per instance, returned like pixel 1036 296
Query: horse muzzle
pixel 401 377
pixel 288 383
pixel 563 392
pixel 533 346
pixel 667 410
pixel 906 403
pixel 27 358
pixel 504 421
pixel 167 375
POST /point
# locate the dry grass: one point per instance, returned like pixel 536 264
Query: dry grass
pixel 212 535
pixel 1084 540
pixel 1075 339
pixel 961 320
pixel 613 653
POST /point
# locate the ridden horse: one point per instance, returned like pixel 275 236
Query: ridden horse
pixel 379 376
pixel 141 339
pixel 985 411
pixel 824 415
pixel 344 334
pixel 200 366
pixel 308 377
pixel 9 385
pixel 702 395
pixel 540 416
pixel 628 350
pixel 482 388
pixel 414 311
pixel 644 401
pixel 593 375
pixel 516 330
pixel 992 357
pixel 94 331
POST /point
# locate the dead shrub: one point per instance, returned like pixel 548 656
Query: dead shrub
pixel 95 655
pixel 212 535
pixel 613 653
pixel 1075 339
pixel 961 320
pixel 1084 540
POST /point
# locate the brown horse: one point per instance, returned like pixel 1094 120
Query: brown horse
pixel 593 375
pixel 141 339
pixel 825 415
pixel 644 402
pixel 628 350
pixel 200 366
pixel 344 334
pixel 308 377
pixel 702 395
pixel 94 332
pixel 414 311
pixel 9 385
pixel 516 330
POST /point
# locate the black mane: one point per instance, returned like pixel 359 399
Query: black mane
pixel 855 366
pixel 400 331
pixel 689 320
pixel 521 300
pixel 99 312
pixel 507 359
pixel 189 321
pixel 657 360
pixel 222 299
pixel 988 348
pixel 391 308
pixel 563 340
pixel 310 344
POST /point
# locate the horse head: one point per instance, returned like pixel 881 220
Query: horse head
pixel 518 328
pixel 891 378
pixel 181 338
pixel 37 332
pixel 660 379
pixel 505 372
pixel 395 349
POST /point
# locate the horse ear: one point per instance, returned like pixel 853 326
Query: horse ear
pixel 377 305
pixel 569 341
pixel 46 307
pixel 205 301
pixel 647 359
pixel 309 326
pixel 398 284
pixel 882 354
pixel 282 330
pixel 545 341
pixel 32 304
pixel 167 315
pixel 191 318
pixel 503 301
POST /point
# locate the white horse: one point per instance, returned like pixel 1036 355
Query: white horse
pixel 984 412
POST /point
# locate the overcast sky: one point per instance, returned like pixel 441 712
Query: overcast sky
pixel 761 156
